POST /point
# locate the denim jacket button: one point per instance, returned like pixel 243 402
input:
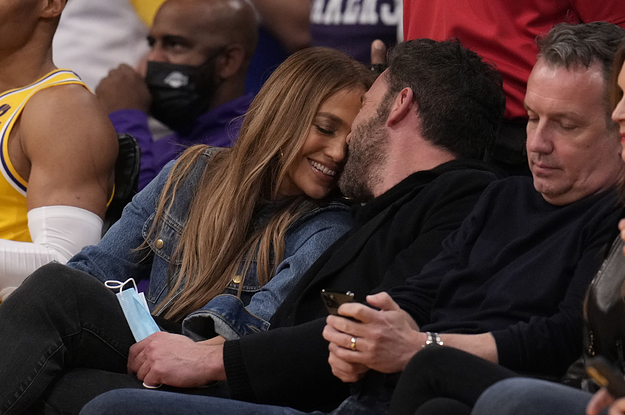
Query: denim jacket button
pixel 159 244
pixel 236 279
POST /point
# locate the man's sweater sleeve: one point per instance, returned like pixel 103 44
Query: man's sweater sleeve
pixel 417 295
pixel 555 341
pixel 302 361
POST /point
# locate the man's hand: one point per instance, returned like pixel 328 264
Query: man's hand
pixel 599 400
pixel 618 407
pixel 378 52
pixel 378 57
pixel 602 399
pixel 176 360
pixel 123 88
pixel 385 340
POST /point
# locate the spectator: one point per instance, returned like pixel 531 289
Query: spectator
pixel 503 32
pixel 525 396
pixel 195 80
pixel 226 220
pixel 58 149
pixel 508 286
pixel 411 156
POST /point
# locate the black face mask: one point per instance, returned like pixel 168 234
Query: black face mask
pixel 180 93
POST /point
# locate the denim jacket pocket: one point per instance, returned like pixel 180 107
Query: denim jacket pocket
pixel 163 244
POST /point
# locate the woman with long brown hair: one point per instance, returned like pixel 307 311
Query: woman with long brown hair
pixel 221 235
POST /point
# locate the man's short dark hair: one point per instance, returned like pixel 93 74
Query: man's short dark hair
pixel 460 98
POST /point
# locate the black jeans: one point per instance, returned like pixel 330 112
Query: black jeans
pixel 63 341
pixel 59 318
pixel 444 380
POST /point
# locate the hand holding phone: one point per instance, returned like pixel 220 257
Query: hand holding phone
pixel 332 300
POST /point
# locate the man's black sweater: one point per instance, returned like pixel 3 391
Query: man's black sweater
pixel 393 237
pixel 518 267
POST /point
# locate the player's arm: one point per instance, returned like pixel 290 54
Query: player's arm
pixel 68 149
pixel 71 146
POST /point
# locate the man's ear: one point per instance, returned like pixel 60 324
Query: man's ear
pixel 401 106
pixel 51 9
pixel 230 61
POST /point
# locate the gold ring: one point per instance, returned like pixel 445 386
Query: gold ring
pixel 353 345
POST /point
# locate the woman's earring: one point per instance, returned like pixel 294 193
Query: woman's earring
pixel 281 154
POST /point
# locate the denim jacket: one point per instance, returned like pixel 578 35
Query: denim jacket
pixel 116 257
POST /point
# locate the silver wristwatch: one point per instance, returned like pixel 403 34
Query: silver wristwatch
pixel 433 339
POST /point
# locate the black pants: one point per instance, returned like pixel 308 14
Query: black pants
pixel 63 341
pixel 444 380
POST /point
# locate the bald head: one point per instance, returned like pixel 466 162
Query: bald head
pixel 198 27
pixel 238 20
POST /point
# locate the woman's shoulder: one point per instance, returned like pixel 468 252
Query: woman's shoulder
pixel 334 212
pixel 329 207
pixel 323 224
pixel 209 152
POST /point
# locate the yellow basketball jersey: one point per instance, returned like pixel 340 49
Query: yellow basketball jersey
pixel 13 219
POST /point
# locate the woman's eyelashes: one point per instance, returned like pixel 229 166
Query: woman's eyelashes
pixel 325 130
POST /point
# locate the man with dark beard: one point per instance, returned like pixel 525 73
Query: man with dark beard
pixel 414 158
pixel 194 84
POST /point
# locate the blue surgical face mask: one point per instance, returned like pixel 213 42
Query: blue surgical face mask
pixel 135 309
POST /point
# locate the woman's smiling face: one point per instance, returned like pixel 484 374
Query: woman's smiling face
pixel 317 166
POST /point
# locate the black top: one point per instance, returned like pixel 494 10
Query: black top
pixel 518 267
pixel 393 237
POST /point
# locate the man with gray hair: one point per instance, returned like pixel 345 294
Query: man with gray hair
pixel 508 285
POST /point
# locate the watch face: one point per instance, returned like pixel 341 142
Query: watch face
pixel 433 340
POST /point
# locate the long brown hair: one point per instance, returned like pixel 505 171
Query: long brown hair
pixel 219 234
pixel 615 91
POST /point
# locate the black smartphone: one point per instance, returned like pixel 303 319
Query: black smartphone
pixel 607 375
pixel 333 300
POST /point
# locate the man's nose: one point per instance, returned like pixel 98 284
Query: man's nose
pixel 539 139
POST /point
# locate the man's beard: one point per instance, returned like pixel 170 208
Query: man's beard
pixel 367 154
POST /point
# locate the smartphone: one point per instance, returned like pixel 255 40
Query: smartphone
pixel 333 300
pixel 607 375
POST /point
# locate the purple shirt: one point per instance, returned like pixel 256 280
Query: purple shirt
pixel 218 127
pixel 351 25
